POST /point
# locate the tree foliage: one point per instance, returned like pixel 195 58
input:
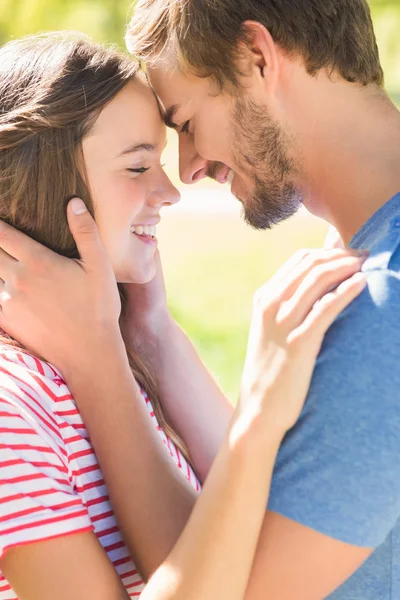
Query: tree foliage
pixel 105 20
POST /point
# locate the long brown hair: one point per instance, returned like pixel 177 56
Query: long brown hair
pixel 52 88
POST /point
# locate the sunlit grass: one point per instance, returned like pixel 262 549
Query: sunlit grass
pixel 213 264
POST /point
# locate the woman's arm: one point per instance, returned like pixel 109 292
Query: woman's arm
pixel 68 314
pixel 152 499
pixel 213 557
pixel 69 567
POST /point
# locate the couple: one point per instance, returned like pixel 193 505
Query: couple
pixel 110 424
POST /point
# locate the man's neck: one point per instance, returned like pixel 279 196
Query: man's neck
pixel 352 164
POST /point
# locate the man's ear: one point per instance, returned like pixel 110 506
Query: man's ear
pixel 259 55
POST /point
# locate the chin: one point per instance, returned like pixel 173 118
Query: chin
pixel 140 274
pixel 242 192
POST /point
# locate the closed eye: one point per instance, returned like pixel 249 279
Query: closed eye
pixel 141 170
pixel 185 127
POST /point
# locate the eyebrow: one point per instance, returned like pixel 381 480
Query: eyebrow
pixel 138 148
pixel 141 147
pixel 169 115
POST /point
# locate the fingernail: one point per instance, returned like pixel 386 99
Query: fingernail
pixel 359 279
pixel 78 206
pixel 362 254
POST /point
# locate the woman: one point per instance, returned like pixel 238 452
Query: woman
pixel 78 119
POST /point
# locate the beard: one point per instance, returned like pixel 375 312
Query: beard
pixel 260 149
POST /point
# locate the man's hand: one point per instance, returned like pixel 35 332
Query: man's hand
pixel 61 309
pixel 146 308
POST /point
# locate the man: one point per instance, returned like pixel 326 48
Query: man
pixel 284 100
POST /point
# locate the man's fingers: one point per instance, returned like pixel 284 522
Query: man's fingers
pixel 7 265
pixel 85 233
pixel 18 245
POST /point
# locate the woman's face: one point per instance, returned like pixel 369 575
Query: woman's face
pixel 122 156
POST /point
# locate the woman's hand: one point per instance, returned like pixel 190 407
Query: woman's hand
pixel 333 239
pixel 291 316
pixel 61 309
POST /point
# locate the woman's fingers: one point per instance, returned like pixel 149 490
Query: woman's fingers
pixel 333 239
pixel 288 326
pixel 289 265
pixel 311 260
pixel 2 294
pixel 324 312
pixel 316 284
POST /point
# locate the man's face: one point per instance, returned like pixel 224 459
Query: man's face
pixel 233 139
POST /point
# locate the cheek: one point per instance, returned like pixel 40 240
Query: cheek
pixel 212 136
pixel 208 142
pixel 117 202
pixel 118 205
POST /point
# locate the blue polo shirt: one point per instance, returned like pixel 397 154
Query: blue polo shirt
pixel 338 470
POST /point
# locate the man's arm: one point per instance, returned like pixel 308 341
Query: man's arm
pixel 294 561
pixel 188 391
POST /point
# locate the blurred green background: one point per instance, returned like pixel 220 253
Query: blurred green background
pixel 213 262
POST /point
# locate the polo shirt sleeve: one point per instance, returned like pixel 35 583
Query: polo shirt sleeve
pixel 37 499
pixel 338 470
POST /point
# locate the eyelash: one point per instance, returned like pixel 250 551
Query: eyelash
pixel 185 127
pixel 141 170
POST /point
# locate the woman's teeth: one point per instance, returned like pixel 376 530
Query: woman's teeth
pixel 144 230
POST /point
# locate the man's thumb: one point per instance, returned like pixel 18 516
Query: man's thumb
pixel 84 231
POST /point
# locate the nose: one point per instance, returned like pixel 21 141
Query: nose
pixel 166 194
pixel 192 166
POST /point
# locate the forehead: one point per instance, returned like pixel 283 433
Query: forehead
pixel 174 87
pixel 132 115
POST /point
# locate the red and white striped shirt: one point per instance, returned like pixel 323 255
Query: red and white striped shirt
pixel 50 481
